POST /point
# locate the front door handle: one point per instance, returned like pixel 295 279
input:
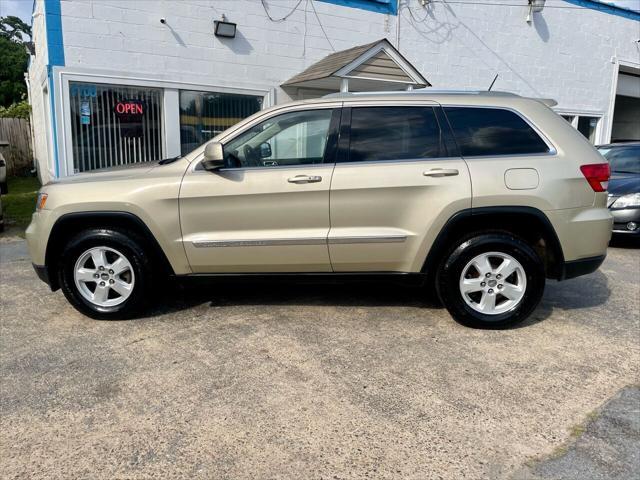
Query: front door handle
pixel 305 179
pixel 441 172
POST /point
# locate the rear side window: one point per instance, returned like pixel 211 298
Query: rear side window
pixel 493 131
pixel 394 133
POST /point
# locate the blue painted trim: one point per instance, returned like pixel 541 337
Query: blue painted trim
pixel 381 6
pixel 53 22
pixel 55 54
pixel 607 8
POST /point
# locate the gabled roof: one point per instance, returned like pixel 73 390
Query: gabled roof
pixel 378 61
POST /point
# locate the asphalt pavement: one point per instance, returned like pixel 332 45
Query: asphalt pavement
pixel 310 381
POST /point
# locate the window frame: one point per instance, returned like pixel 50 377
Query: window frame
pixel 551 147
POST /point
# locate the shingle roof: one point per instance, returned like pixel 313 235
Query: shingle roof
pixel 331 64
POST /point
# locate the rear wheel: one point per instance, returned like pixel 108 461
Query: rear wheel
pixel 491 280
pixel 105 274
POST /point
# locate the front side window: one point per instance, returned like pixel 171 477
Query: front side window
pixel 295 138
pixel 493 131
pixel 394 133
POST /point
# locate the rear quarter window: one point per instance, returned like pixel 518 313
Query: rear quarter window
pixel 493 131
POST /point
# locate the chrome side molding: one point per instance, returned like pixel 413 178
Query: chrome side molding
pixel 367 239
pixel 259 243
pixel 299 241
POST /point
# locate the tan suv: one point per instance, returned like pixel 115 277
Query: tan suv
pixel 479 195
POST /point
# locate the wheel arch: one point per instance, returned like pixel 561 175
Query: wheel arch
pixel 527 222
pixel 70 224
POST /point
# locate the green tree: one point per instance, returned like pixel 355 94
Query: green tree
pixel 14 29
pixel 14 60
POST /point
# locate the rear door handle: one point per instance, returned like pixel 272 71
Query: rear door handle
pixel 441 172
pixel 305 179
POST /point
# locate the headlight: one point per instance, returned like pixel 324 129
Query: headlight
pixel 627 201
pixel 41 201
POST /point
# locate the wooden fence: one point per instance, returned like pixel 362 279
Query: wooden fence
pixel 18 154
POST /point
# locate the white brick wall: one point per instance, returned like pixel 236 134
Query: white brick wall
pixel 37 79
pixel 566 54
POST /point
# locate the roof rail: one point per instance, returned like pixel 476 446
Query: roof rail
pixel 422 91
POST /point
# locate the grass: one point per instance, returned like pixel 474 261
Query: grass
pixel 20 202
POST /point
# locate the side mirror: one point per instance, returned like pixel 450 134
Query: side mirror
pixel 213 156
pixel 265 150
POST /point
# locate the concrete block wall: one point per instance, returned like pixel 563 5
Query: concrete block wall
pixel 568 53
pixel 564 54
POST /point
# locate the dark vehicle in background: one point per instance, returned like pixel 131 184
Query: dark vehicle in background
pixel 624 186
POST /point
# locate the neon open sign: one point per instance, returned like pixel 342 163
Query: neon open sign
pixel 130 107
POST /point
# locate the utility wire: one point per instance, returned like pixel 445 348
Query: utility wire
pixel 501 4
pixel 278 20
pixel 321 27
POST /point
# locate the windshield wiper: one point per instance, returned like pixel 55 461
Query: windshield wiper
pixel 166 161
pixel 626 171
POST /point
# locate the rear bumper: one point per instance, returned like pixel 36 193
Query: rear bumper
pixel 584 266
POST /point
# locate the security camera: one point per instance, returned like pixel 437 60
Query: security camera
pixel 163 20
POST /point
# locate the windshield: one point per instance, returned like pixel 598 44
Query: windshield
pixel 625 159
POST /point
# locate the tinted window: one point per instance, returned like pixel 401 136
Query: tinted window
pixel 394 133
pixel 492 131
pixel 296 138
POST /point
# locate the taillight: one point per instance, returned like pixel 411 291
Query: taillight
pixel 597 174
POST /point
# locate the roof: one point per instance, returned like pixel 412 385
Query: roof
pixel 375 61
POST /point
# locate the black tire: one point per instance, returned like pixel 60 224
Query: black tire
pixel 4 188
pixel 131 247
pixel 450 272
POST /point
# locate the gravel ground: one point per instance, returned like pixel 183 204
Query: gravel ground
pixel 307 381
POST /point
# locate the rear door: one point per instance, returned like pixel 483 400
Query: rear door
pixel 397 180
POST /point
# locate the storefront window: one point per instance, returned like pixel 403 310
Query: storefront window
pixel 587 126
pixel 114 125
pixel 203 115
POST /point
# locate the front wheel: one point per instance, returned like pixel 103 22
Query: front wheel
pixel 105 274
pixel 491 280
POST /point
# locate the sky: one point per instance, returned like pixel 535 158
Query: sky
pixel 22 8
pixel 17 8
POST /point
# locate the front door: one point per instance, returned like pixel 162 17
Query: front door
pixel 397 180
pixel 268 209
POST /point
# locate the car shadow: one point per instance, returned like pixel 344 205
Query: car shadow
pixel 187 294
pixel 582 292
pixel 625 241
pixel 577 293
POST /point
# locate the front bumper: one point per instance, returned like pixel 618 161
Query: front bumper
pixel 621 217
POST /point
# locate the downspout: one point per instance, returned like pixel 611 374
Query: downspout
pixel 33 142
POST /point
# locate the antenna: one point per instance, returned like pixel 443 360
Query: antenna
pixel 494 81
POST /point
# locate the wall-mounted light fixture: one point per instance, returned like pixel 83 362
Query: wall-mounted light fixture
pixel 222 28
pixel 535 6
